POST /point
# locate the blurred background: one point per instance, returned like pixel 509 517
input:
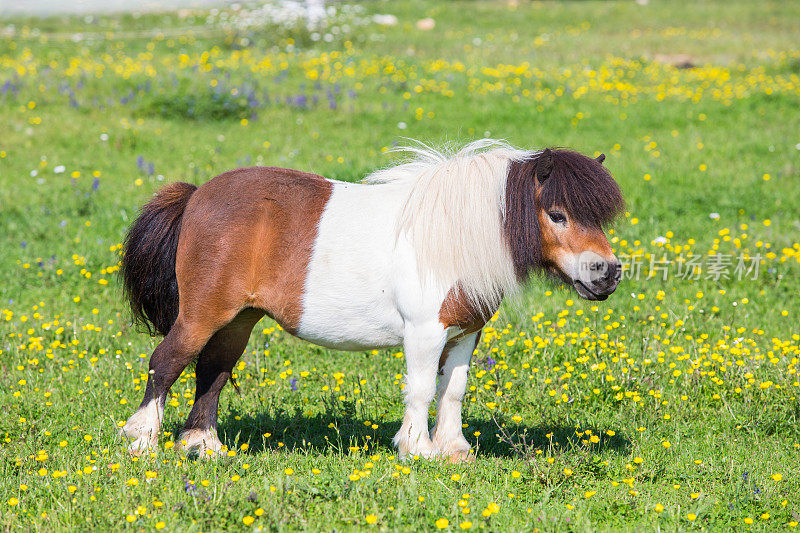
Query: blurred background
pixel 687 377
pixel 48 7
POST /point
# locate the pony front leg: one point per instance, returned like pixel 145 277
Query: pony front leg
pixel 422 346
pixel 447 435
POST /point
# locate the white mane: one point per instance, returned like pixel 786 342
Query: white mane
pixel 453 215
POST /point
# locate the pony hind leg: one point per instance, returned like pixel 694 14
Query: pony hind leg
pixel 214 367
pixel 448 435
pixel 181 345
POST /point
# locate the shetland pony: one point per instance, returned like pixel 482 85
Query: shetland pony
pixel 420 255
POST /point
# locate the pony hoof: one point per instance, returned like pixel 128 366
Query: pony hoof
pixel 202 453
pixel 130 432
pixel 461 457
pixel 141 446
pixel 203 444
pixel 426 451
pixel 206 454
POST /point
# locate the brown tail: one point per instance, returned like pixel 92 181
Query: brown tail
pixel 148 262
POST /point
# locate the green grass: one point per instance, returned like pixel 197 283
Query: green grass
pixel 708 366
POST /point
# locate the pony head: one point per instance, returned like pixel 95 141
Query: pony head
pixel 557 202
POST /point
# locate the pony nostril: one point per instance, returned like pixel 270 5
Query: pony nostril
pixel 612 272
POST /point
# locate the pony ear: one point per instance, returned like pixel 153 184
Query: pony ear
pixel 600 158
pixel 544 165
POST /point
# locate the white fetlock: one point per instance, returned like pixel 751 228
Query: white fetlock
pixel 146 421
pixel 204 443
pixel 424 449
pixel 143 445
pixel 448 445
pixel 142 428
pixel 456 449
pixel 412 445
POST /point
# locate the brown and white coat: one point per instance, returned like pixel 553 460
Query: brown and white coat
pixel 420 255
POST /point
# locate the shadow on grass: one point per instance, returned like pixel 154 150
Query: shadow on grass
pixel 326 433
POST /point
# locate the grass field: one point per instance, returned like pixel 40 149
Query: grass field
pixel 671 406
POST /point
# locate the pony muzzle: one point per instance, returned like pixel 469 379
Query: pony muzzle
pixel 596 276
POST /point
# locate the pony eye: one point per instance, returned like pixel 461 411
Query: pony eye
pixel 557 217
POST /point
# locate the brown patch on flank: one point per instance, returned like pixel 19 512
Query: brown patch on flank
pixel 196 258
pixel 246 241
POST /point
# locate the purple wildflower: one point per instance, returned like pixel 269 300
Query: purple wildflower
pixel 299 100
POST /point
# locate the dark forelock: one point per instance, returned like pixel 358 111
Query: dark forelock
pixel 583 187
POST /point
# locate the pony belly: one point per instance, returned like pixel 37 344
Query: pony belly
pixel 352 340
pixel 344 316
